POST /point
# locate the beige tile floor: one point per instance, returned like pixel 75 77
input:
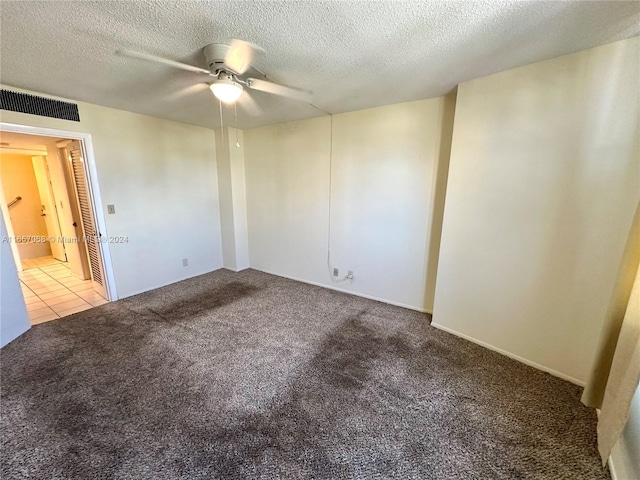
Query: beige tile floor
pixel 51 291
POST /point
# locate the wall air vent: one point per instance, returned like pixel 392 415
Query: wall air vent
pixel 34 105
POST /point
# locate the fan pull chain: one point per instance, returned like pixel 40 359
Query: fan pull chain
pixel 235 109
pixel 221 123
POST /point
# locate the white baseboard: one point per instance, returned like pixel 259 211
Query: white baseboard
pixel 171 282
pixel 555 373
pixel 350 292
pixel 235 270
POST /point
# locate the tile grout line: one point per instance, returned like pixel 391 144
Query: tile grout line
pixel 48 273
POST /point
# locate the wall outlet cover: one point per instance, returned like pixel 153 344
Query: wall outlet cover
pixel 185 262
pixel 111 209
pixel 335 272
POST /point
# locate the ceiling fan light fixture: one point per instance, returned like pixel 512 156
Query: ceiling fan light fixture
pixel 226 91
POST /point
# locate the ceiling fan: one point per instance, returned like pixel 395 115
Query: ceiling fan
pixel 227 64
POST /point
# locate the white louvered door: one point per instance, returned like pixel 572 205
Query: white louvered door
pixel 91 234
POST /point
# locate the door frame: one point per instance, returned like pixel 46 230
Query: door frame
pixel 91 174
pixel 44 189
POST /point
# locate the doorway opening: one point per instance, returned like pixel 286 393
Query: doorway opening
pixel 49 209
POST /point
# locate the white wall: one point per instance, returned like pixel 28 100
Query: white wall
pixel 13 312
pixel 233 205
pixel 625 456
pixel 383 180
pixel 161 176
pixel 543 183
pixel 239 194
pixel 287 175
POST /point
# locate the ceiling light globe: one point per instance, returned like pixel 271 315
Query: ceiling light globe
pixel 226 91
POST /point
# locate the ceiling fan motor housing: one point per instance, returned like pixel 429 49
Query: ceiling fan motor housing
pixel 215 53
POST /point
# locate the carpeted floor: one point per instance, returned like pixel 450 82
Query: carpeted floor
pixel 251 376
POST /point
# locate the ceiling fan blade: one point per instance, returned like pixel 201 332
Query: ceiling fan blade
pixel 164 61
pixel 240 55
pixel 282 90
pixel 185 92
pixel 249 105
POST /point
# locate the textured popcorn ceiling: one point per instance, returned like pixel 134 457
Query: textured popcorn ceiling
pixel 353 55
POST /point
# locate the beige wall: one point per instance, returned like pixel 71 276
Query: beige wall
pixel 161 177
pixel 384 188
pixel 19 179
pixel 544 179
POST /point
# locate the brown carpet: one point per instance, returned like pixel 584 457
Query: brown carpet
pixel 251 376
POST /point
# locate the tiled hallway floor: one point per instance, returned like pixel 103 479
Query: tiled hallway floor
pixel 51 291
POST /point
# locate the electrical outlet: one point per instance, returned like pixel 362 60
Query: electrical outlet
pixel 350 274
pixel 185 262
pixel 111 209
pixel 335 272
